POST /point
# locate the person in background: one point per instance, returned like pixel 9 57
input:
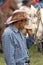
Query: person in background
pixel 36 1
pixel 39 4
pixel 39 44
pixel 14 42
pixel 27 3
pixel 29 35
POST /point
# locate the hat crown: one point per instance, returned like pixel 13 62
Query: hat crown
pixel 16 16
pixel 19 15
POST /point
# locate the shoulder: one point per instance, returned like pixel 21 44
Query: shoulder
pixel 7 32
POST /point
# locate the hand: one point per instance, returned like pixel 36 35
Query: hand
pixel 30 32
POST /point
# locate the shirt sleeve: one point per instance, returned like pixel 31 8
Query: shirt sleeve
pixel 30 41
pixel 8 49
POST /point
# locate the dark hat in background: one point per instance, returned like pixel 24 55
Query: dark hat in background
pixel 25 1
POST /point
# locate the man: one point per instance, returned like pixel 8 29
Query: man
pixel 13 41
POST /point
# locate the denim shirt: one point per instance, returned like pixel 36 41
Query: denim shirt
pixel 39 4
pixel 30 41
pixel 14 46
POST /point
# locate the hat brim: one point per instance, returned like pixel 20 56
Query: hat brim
pixel 10 21
pixel 27 27
pixel 13 21
pixel 33 26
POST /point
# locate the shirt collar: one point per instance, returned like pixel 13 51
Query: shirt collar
pixel 16 31
pixel 13 28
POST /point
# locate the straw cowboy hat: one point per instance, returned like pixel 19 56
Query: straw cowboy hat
pixel 32 26
pixel 16 16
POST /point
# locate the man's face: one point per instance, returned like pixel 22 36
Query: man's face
pixel 23 23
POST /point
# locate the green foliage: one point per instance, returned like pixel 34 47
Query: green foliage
pixel 2 62
pixel 36 57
